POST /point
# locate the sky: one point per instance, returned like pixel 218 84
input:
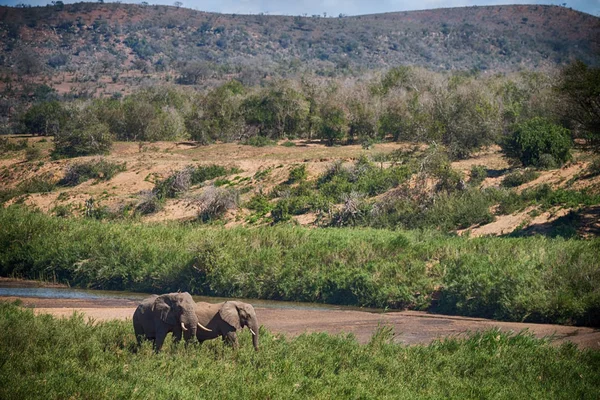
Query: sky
pixel 334 7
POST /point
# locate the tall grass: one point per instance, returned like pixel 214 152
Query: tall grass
pixel 530 279
pixel 44 357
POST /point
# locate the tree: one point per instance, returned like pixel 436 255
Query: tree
pixel 277 112
pixel 538 142
pixel 579 86
pixel 44 119
pixel 217 116
pixel 178 4
pixel 83 135
pixel 334 124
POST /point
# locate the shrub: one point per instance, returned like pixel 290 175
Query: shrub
pixel 297 174
pixel 47 118
pixel 174 185
pixel 207 172
pixel 538 142
pixel 101 170
pixel 259 141
pixel 149 203
pixel 288 144
pixel 259 203
pixel 519 178
pixel 214 202
pixel 33 153
pixel 84 135
pixel 8 145
pixel 477 175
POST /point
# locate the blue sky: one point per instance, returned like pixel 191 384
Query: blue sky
pixel 335 7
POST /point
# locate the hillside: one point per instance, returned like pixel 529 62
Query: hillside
pixel 562 201
pixel 121 45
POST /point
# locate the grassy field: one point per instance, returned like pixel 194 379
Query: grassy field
pixel 535 279
pixel 44 357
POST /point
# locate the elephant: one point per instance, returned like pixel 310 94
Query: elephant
pixel 224 319
pixel 158 315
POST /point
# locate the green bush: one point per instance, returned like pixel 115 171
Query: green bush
pixel 539 142
pixel 7 145
pixel 33 153
pixel 100 169
pixel 519 178
pixel 297 174
pixel 204 173
pixel 83 135
pixel 46 118
pixel 259 141
pixel 477 175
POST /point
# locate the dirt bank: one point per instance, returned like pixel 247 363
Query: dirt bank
pixel 410 327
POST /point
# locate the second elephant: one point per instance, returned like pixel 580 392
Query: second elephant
pixel 224 319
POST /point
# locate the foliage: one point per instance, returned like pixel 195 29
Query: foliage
pixel 538 142
pixel 557 278
pixel 580 87
pixel 45 118
pixel 214 202
pixel 99 169
pixel 297 174
pixel 477 175
pixel 83 135
pixel 334 125
pixel 259 141
pixel 68 357
pixel 519 178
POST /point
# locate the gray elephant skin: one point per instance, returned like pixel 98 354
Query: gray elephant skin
pixel 157 315
pixel 224 319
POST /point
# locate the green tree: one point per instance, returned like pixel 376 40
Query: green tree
pixel 277 112
pixel 45 118
pixel 538 142
pixel 83 135
pixel 334 124
pixel 580 87
pixel 217 116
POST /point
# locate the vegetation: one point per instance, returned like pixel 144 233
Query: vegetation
pixel 519 178
pixel 580 87
pixel 539 142
pixel 524 279
pixel 100 170
pixel 66 358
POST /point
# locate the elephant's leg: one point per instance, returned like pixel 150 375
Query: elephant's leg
pixel 161 334
pixel 177 332
pixel 231 338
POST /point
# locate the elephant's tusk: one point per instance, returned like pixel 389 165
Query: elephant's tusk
pixel 253 333
pixel 203 327
pixel 183 326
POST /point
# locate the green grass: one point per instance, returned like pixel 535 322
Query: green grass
pixel 44 357
pixel 519 279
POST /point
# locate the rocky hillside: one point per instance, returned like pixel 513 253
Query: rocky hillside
pixel 92 42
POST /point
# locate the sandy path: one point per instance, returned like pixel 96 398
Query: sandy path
pixel 410 327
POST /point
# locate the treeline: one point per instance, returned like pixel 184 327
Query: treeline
pixel 462 111
pixel 521 279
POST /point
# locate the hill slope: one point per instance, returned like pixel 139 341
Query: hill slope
pixel 94 40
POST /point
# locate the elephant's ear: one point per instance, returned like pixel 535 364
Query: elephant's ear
pixel 164 310
pixel 229 314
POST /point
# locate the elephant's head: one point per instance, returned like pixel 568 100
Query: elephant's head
pixel 239 315
pixel 178 311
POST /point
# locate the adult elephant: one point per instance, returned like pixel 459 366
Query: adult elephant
pixel 158 315
pixel 224 319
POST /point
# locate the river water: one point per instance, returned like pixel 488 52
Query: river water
pixel 30 289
